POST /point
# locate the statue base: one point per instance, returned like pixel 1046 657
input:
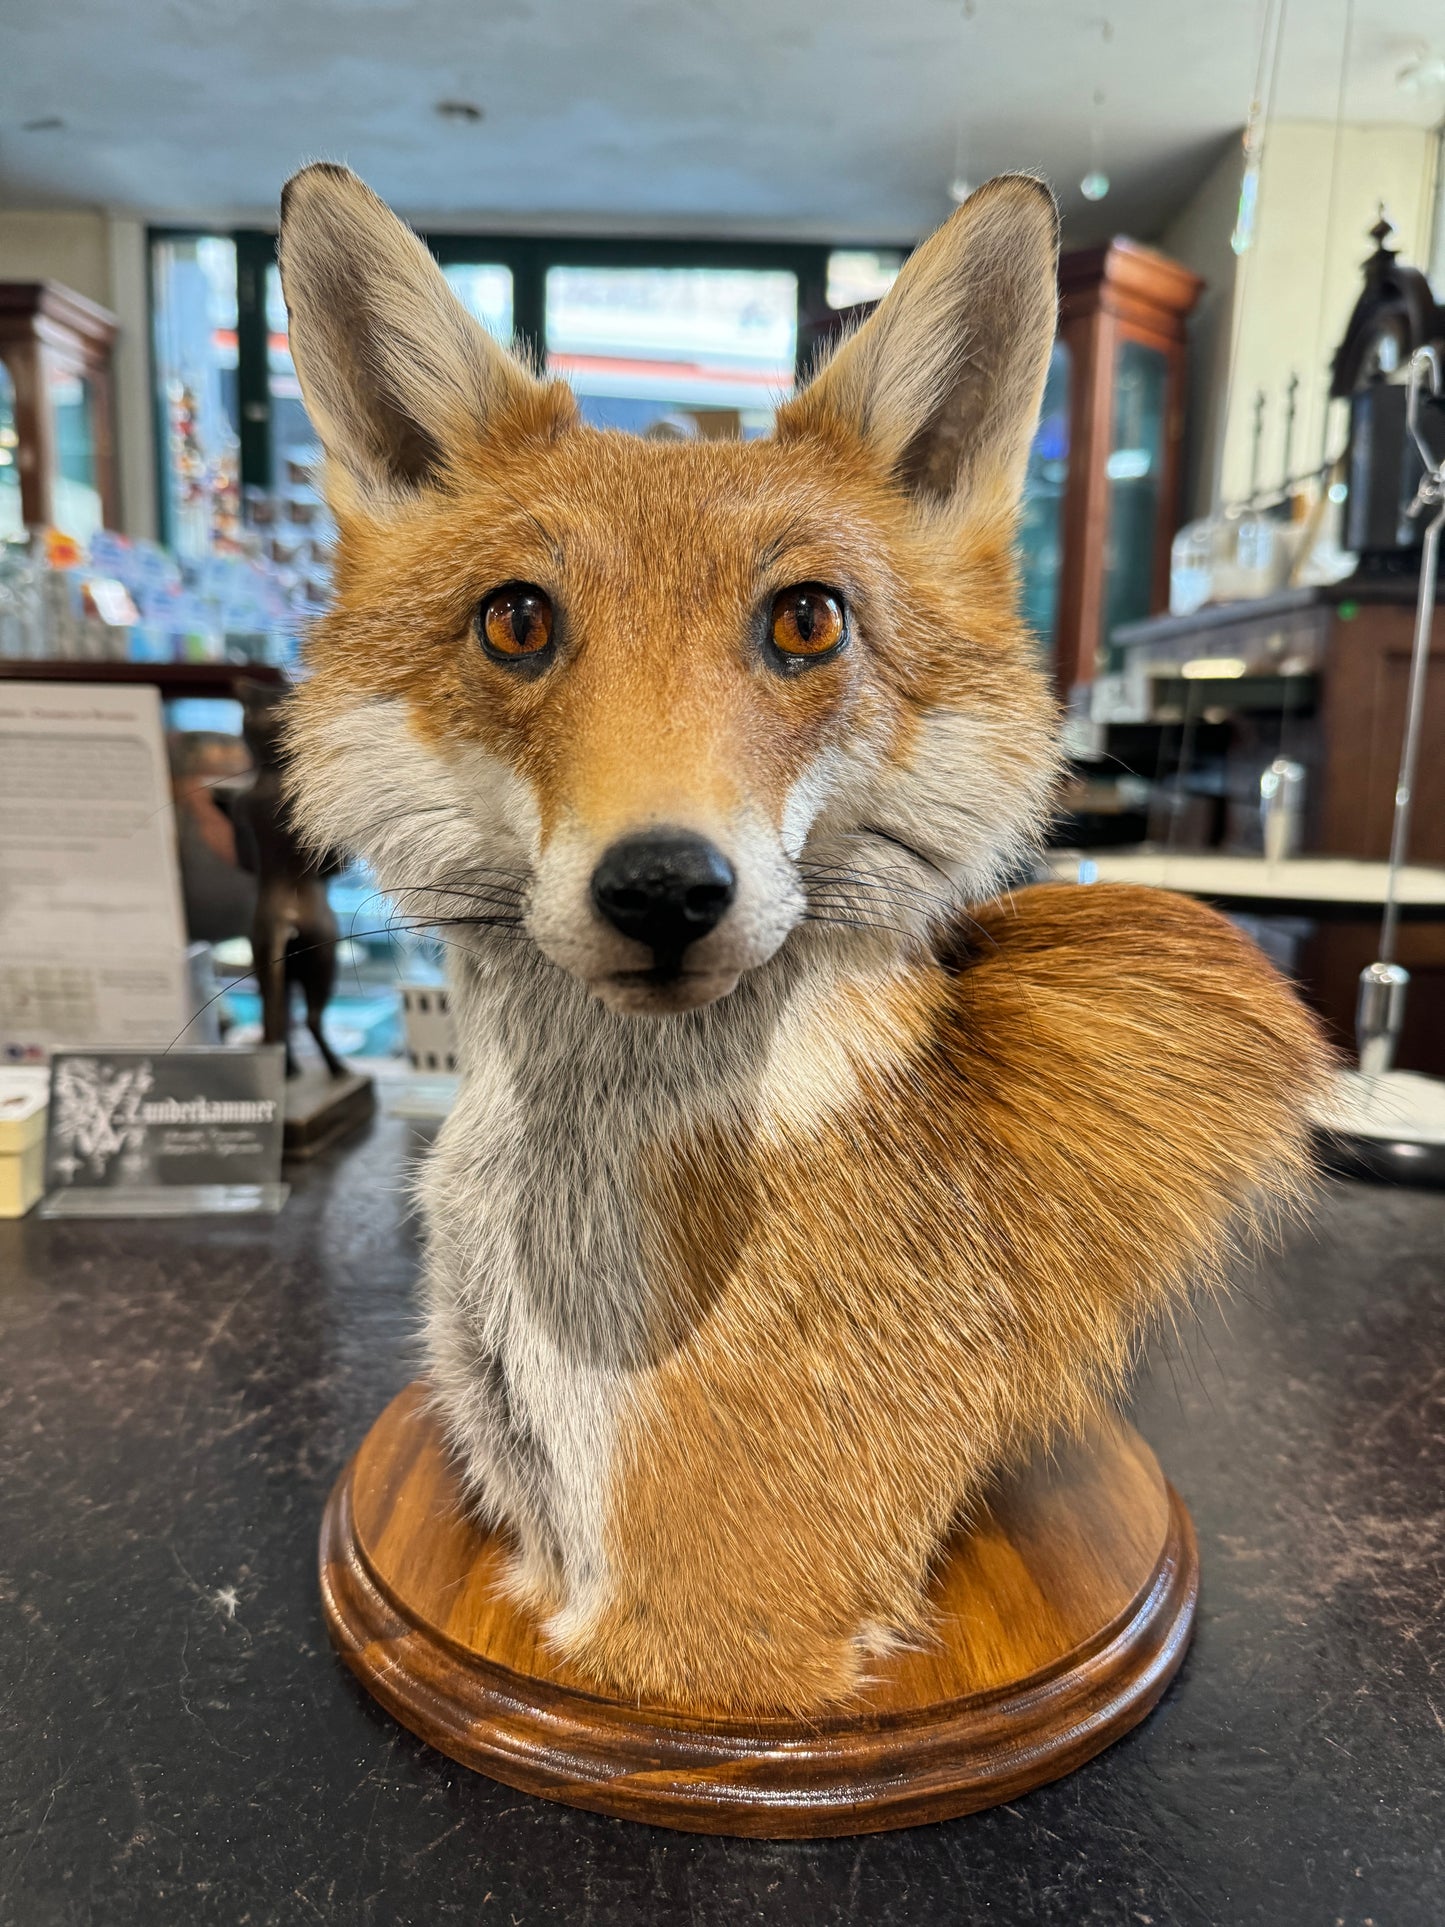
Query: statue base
pixel 322 1109
pixel 1062 1613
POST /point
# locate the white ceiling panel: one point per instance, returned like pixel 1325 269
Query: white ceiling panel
pixel 746 116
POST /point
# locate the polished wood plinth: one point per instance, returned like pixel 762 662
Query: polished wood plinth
pixel 1061 1616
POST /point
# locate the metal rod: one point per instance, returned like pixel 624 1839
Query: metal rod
pixel 1291 406
pixel 1256 443
pixel 1432 488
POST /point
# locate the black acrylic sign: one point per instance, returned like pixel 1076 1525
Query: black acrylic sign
pixel 141 1132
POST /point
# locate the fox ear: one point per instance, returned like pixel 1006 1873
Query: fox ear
pixel 397 377
pixel 943 380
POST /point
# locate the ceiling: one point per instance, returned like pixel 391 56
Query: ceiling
pixel 840 119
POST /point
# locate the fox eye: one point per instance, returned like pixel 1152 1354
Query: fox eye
pixel 515 621
pixel 807 622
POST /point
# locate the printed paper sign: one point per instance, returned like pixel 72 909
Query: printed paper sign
pixel 92 938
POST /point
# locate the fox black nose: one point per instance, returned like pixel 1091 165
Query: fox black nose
pixel 665 889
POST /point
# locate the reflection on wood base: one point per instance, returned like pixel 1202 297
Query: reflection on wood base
pixel 1061 1616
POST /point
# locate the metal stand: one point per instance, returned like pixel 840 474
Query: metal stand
pixel 1390 1124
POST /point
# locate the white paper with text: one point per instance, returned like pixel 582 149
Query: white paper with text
pixel 92 934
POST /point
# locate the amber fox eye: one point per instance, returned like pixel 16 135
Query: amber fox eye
pixel 808 622
pixel 515 622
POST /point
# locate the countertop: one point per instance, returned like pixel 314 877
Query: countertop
pixel 1306 885
pixel 179 1745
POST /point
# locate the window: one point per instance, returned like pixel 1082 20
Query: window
pixel 193 292
pixel 708 350
pixel 856 275
pixel 485 290
pixel 294 448
pixel 672 337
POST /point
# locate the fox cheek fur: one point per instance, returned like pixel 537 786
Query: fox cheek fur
pixel 793 1185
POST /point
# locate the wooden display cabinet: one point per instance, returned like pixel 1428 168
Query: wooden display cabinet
pixel 55 409
pixel 1102 498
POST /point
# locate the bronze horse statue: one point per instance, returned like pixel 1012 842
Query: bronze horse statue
pixel 294 934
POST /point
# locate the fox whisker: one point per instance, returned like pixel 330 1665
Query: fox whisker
pixel 423 924
pixel 890 880
pixel 845 876
pixel 940 912
pixel 853 896
pixel 896 915
pixel 497 894
pixel 476 879
pixel 863 891
pixel 857 923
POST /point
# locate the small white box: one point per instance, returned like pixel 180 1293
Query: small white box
pixel 24 1106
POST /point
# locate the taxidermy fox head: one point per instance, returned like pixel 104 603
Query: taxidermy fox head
pixel 673 711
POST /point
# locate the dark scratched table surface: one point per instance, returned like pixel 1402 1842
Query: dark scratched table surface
pixel 179 1745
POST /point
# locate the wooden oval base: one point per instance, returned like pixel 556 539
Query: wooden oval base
pixel 1062 1614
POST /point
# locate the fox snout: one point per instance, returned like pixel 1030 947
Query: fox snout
pixel 666 917
pixel 664 890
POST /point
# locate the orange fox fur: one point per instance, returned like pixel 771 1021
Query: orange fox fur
pixel 744 1277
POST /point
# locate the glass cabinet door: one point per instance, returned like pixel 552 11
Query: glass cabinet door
pixel 1041 521
pixel 12 516
pixel 1135 470
pixel 75 495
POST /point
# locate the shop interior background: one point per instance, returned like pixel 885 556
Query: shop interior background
pixel 677 208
